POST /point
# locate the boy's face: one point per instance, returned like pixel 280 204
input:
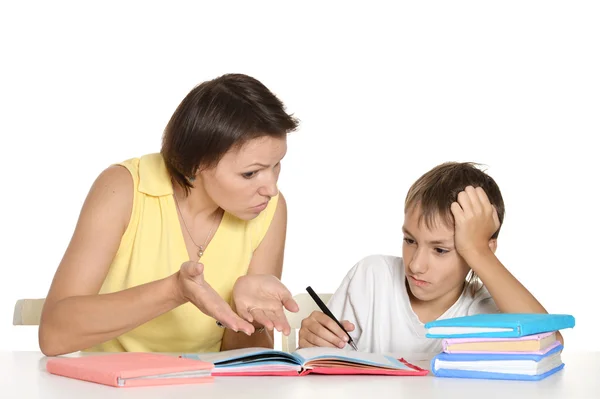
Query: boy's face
pixel 434 269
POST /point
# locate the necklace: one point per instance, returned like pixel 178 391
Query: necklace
pixel 201 248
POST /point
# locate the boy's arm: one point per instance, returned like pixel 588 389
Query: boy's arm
pixel 476 220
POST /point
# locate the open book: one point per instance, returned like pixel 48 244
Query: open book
pixel 262 361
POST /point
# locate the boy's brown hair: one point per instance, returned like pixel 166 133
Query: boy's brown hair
pixel 435 191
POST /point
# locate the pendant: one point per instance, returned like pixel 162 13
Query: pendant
pixel 200 252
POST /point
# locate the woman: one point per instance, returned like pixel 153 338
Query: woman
pixel 167 243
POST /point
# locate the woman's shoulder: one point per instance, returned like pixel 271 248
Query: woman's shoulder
pixel 119 183
pixel 110 197
pixel 147 173
pixel 115 179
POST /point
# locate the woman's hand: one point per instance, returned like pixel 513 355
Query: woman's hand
pixel 261 298
pixel 193 288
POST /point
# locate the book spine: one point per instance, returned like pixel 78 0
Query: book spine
pixel 554 324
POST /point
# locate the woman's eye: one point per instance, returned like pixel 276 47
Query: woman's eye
pixel 249 175
pixel 441 251
pixel 409 241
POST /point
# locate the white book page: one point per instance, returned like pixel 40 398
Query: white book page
pixel 465 330
pixel 526 367
pixel 258 368
pixel 180 374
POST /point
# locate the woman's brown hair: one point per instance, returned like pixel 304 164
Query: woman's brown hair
pixel 214 117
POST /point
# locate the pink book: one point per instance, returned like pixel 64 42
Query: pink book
pixel 131 369
pixel 538 344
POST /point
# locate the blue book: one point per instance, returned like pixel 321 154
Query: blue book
pixel 497 366
pixel 498 325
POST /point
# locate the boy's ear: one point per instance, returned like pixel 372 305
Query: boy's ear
pixel 493 244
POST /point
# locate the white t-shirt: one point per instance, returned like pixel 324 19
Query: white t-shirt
pixel 374 298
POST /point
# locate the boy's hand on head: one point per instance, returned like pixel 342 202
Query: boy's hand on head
pixel 475 221
pixel 318 329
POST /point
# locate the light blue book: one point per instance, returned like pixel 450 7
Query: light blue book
pixel 498 325
pixel 497 366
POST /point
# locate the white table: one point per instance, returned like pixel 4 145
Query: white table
pixel 23 375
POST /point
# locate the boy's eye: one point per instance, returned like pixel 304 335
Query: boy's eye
pixel 441 251
pixel 409 241
pixel 249 175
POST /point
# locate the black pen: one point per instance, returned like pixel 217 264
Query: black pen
pixel 325 310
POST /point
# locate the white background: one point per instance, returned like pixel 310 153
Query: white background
pixel 384 92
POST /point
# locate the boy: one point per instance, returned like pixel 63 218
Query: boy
pixel 453 215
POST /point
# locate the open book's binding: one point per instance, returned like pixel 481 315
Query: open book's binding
pixel 491 357
pixel 263 362
pixel 498 325
pixel 131 369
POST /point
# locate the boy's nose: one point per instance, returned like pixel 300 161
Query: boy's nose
pixel 418 264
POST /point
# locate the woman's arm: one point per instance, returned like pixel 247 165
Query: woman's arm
pixel 74 316
pixel 475 221
pixel 267 259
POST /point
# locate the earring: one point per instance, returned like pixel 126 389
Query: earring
pixel 191 179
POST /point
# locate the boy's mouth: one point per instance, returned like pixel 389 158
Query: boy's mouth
pixel 417 282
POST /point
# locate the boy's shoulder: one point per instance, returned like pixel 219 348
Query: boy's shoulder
pixel 371 278
pixel 377 265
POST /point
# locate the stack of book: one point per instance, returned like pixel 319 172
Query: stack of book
pixel 499 346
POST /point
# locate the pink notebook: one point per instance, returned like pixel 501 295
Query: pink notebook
pixel 132 369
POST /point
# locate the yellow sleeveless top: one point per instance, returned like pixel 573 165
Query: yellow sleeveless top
pixel 153 248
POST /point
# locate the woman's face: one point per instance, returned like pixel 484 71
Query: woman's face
pixel 245 179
